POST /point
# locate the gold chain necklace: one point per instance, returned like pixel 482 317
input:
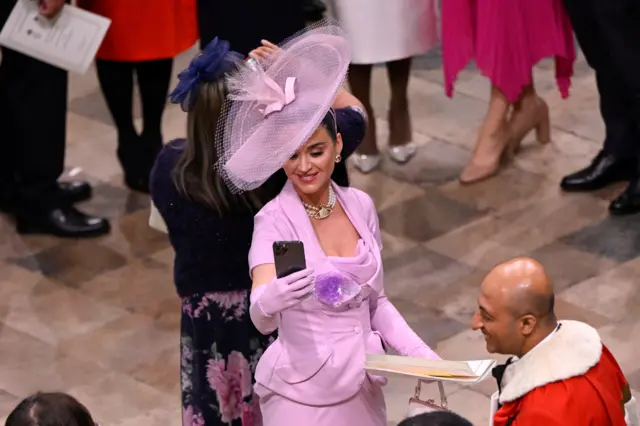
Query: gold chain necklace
pixel 323 211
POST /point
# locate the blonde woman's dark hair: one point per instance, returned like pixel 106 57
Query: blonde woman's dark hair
pixel 194 174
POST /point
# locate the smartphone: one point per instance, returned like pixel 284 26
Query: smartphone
pixel 289 257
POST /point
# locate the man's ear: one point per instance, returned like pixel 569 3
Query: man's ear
pixel 528 324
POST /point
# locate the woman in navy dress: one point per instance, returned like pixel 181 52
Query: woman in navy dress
pixel 211 230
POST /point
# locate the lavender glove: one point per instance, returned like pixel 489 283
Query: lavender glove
pixel 395 331
pixel 278 295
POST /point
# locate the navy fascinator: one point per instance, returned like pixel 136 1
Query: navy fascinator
pixel 213 63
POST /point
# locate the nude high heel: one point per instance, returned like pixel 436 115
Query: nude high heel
pixel 538 119
pixel 475 172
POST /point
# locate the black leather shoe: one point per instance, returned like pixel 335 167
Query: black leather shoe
pixel 628 202
pixel 604 170
pixel 74 191
pixel 70 192
pixel 66 222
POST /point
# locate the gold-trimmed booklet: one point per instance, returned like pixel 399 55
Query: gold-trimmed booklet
pixel 429 369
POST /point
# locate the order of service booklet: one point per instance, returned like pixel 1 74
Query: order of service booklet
pixel 68 41
pixel 429 369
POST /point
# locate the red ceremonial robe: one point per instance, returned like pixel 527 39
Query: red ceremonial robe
pixel 569 380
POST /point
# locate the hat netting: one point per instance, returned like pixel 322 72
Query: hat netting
pixel 253 146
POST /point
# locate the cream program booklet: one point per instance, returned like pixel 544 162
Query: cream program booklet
pixel 454 371
pixel 68 41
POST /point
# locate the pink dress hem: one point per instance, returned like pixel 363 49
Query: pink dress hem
pixel 507 38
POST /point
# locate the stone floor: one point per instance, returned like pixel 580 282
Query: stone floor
pixel 99 318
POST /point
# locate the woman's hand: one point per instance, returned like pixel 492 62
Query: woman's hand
pixel 50 8
pixel 277 295
pixel 284 293
pixel 264 52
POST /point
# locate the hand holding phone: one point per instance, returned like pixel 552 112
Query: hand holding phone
pixel 284 293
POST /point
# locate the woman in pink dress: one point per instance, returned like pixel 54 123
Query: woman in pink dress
pixel 330 315
pixel 506 38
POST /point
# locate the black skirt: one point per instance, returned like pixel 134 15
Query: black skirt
pixel 244 23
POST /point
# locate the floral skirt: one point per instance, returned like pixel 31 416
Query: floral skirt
pixel 220 349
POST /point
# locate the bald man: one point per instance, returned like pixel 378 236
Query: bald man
pixel 561 373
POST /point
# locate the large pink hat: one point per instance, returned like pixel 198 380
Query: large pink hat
pixel 273 108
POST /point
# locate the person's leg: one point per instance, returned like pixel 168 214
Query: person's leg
pixel 360 84
pixel 619 24
pixel 7 171
pixel 400 130
pixel 116 82
pixel 38 125
pixel 154 78
pixel 494 141
pixel 614 162
pixel 7 146
pixel 35 95
pixel 366 158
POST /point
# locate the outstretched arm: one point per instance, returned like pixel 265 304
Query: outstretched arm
pixel 395 331
pixel 385 318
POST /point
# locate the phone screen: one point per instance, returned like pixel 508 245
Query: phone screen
pixel 289 257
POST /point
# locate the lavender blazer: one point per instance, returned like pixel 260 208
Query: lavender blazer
pixel 318 358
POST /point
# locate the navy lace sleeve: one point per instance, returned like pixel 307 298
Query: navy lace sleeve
pixel 351 124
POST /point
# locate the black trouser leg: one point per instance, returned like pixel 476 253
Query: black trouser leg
pixel 619 23
pixel 116 82
pixel 616 108
pixel 8 145
pixel 617 63
pixel 154 78
pixel 616 104
pixel 136 153
pixel 33 98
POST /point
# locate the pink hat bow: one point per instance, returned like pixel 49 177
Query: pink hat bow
pixel 279 97
pixel 262 89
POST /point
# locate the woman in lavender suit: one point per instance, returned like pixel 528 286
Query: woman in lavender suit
pixel 332 314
